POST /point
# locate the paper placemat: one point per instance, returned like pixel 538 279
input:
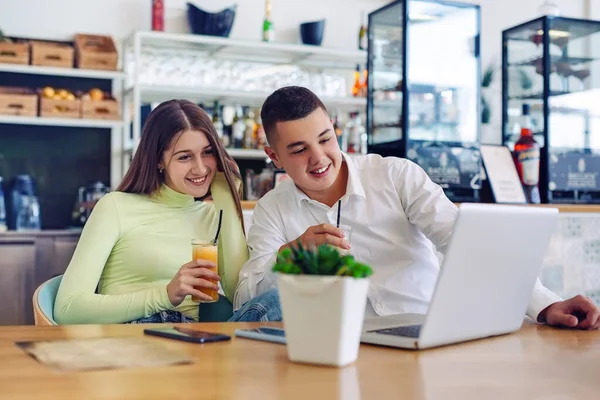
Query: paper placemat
pixel 102 353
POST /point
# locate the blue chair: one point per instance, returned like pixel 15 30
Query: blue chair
pixel 43 301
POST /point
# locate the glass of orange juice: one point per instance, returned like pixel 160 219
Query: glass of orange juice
pixel 206 249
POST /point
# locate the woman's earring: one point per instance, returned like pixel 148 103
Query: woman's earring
pixel 160 170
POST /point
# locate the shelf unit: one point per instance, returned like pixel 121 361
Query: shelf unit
pixel 553 59
pixel 247 154
pixel 132 93
pixel 160 93
pixel 428 117
pixel 66 122
pixel 550 64
pixel 68 72
pixel 119 155
pixel 539 95
pixel 278 53
pixel 138 92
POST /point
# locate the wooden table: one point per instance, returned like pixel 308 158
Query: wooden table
pixel 538 362
pixel 563 208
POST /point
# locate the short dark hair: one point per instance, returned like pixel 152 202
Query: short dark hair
pixel 289 103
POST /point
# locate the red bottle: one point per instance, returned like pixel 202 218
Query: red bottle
pixel 527 159
pixel 158 15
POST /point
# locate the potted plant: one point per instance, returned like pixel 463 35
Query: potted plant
pixel 323 296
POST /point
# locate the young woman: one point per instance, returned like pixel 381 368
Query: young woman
pixel 133 262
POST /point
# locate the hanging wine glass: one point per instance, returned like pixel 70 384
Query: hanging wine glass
pixel 581 74
pixel 549 7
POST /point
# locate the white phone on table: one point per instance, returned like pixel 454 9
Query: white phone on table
pixel 264 333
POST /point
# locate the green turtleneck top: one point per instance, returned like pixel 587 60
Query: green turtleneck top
pixel 133 245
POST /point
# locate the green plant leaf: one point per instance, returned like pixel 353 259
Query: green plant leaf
pixel 329 260
pixel 311 262
pixel 287 268
pixel 486 111
pixel 284 255
pixel 488 76
pixel 322 260
pixel 525 80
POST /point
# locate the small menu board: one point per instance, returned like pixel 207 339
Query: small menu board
pixel 502 174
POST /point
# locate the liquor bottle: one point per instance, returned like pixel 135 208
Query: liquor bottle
pixel 249 138
pixel 237 130
pixel 350 145
pixel 158 15
pixel 3 226
pixel 363 86
pixel 357 85
pixel 218 124
pixel 268 33
pixel 362 33
pixel 339 131
pixel 527 159
pixel 361 134
pixel 261 137
pixel 356 135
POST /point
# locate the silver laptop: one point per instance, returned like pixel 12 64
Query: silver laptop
pixel 485 282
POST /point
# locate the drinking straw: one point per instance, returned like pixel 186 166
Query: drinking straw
pixel 219 227
pixel 339 212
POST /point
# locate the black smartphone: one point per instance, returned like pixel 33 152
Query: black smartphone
pixel 187 335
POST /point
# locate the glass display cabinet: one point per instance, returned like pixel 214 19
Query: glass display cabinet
pixel 550 66
pixel 423 99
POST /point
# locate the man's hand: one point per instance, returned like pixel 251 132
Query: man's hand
pixel 320 234
pixel 578 312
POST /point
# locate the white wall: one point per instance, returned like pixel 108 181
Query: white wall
pixel 60 19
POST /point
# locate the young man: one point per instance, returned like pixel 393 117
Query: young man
pixel 396 212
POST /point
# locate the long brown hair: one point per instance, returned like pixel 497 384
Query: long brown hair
pixel 163 125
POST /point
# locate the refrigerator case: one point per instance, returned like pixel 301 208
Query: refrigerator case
pixel 552 64
pixel 423 100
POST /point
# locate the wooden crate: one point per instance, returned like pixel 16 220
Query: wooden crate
pixel 95 52
pixel 18 101
pixel 16 52
pixel 100 109
pixel 52 54
pixel 60 108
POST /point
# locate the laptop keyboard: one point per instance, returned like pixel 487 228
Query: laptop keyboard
pixel 411 331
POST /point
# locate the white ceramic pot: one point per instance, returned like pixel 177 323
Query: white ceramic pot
pixel 323 317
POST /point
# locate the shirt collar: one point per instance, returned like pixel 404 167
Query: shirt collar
pixel 354 186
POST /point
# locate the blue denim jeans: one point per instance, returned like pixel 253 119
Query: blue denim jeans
pixel 163 317
pixel 262 308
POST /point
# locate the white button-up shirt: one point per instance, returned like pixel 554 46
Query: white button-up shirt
pixel 399 219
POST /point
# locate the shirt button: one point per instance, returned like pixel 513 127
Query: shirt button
pixel 245 274
pixel 379 306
